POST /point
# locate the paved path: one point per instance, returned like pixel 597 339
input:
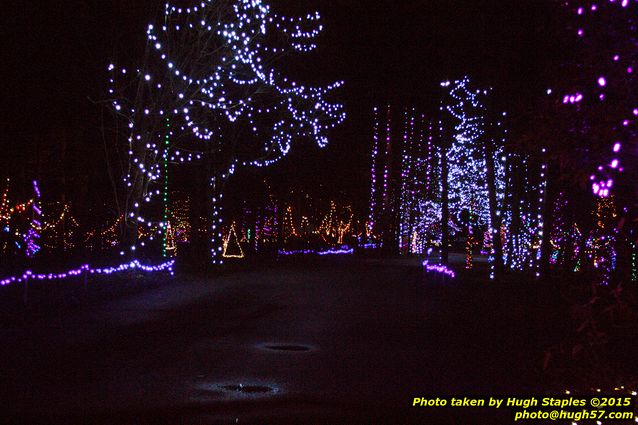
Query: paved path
pixel 336 341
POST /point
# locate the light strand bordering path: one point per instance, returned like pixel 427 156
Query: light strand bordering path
pixel 133 265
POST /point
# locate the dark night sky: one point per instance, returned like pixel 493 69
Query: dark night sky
pixel 54 57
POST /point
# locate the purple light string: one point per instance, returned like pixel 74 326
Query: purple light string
pixel 332 251
pixel 296 252
pixel 33 234
pixel 337 252
pixel 602 180
pixel 133 265
pixel 439 268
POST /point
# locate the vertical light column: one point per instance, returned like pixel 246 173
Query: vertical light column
pixel 166 224
pixel 216 225
pixel 373 171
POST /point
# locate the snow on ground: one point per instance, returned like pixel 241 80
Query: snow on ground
pixel 329 341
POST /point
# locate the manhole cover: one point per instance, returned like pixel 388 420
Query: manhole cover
pixel 288 347
pixel 250 389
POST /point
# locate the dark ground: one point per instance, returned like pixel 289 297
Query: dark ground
pixel 360 339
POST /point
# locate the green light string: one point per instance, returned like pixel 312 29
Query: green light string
pixel 166 148
pixel 634 271
pixel 469 260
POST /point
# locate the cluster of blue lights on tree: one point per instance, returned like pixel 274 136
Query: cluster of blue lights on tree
pixel 467 154
pixel 408 189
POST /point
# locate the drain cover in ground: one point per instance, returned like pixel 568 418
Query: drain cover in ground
pixel 249 389
pixel 211 391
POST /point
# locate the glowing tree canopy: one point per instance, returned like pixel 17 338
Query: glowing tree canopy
pixel 467 177
pixel 407 171
pixel 209 87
